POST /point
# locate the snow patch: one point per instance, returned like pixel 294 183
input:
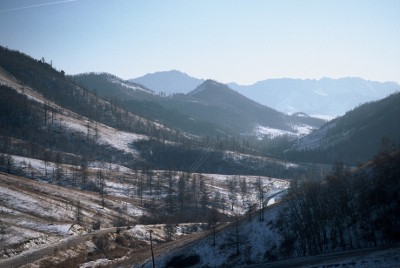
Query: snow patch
pixel 128 85
pixel 96 263
pixel 298 131
pixel 120 140
pixel 261 131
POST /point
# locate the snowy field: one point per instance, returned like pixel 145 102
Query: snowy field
pixel 256 238
pixel 298 131
pixel 37 213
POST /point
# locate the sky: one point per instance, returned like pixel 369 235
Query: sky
pixel 226 40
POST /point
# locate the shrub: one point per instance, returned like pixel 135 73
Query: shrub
pixel 183 261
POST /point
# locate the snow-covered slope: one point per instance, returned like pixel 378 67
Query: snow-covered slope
pixel 75 123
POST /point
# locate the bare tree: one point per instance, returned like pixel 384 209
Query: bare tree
pixel 78 213
pixel 59 171
pixel 182 185
pixel 140 188
pixel 9 163
pixel 243 189
pixel 194 191
pixel 232 183
pixel 260 195
pixel 101 184
pixel 169 230
pixel 170 199
pixel 84 172
pixel 213 220
pixel 203 192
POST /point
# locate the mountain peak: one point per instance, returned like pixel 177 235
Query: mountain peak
pixel 210 87
pixel 169 82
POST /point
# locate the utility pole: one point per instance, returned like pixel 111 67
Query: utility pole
pixel 237 234
pixel 151 248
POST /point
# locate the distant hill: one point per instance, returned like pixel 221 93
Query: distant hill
pixel 326 97
pixel 169 82
pixel 225 106
pixel 110 86
pixel 354 137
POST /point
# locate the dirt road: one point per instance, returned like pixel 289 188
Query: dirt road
pixel 39 253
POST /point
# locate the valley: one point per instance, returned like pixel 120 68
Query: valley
pixel 91 163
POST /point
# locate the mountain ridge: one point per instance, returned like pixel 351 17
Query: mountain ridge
pixel 213 106
pixel 324 98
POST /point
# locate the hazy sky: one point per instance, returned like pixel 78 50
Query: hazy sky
pixel 242 41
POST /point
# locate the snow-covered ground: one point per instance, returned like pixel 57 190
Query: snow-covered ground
pixel 127 84
pixel 298 131
pixel 76 123
pixel 256 239
pixel 259 242
pixel 105 134
pixel 313 141
pixel 39 213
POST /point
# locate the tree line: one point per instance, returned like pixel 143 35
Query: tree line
pixel 347 210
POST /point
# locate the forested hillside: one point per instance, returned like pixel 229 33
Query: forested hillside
pixel 54 86
pixel 337 221
pixel 347 210
pixel 355 137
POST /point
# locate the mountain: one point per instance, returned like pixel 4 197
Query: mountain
pixel 84 178
pixel 168 82
pixel 49 116
pixel 225 106
pixel 144 102
pixel 210 109
pixel 354 137
pixel 109 86
pixel 325 97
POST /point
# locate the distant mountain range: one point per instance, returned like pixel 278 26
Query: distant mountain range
pixel 209 109
pixel 326 98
